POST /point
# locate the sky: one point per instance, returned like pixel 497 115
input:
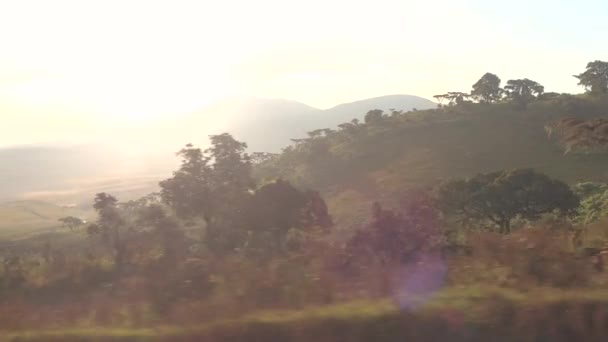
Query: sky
pixel 84 69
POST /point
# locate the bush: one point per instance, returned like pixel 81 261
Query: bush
pixel 528 257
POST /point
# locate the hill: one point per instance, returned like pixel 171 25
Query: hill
pixel 265 124
pixel 269 124
pixel 356 110
pixel 381 159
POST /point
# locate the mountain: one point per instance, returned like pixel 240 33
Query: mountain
pixel 347 111
pixel 269 124
pixel 265 124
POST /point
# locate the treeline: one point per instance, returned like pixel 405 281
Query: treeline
pixel 523 91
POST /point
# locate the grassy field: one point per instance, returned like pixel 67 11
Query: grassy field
pixel 24 219
pixel 37 213
pixel 458 314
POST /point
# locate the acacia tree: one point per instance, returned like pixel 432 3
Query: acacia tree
pixel 523 91
pixel 500 197
pixel 440 98
pixel 453 97
pixel 71 222
pixel 595 78
pixel 487 89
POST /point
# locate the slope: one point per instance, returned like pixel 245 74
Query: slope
pixel 269 124
pixel 380 160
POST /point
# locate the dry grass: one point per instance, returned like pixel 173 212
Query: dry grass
pixel 457 314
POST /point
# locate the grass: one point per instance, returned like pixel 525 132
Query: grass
pixel 22 219
pixel 460 314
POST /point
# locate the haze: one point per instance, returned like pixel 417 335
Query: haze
pixel 74 71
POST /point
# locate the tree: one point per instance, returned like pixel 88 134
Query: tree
pixel 209 183
pixel 594 201
pixel 440 98
pixel 71 222
pixel 213 185
pixel 258 158
pixel 265 221
pixel 188 191
pixel 523 91
pixel 487 89
pixel 500 197
pixel 595 78
pixel 453 97
pixel 165 228
pixel 374 116
pixel 230 175
pixel 110 227
pixel 457 97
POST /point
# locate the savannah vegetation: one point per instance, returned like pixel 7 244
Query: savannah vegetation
pixel 482 219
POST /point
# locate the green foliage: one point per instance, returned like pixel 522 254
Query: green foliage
pixel 111 227
pixel 529 257
pixel 522 92
pixel 500 197
pixel 373 116
pixel 487 89
pixel 188 191
pixel 453 97
pixel 594 201
pixel 595 78
pixel 207 181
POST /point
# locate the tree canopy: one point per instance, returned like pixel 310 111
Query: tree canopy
pixel 523 91
pixel 487 89
pixel 208 180
pixel 595 78
pixel 500 197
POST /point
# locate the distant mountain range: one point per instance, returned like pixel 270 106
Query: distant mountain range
pixel 264 124
pixel 268 125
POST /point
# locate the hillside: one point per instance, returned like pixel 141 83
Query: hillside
pixel 269 124
pixel 380 160
pixel 356 110
pixel 265 124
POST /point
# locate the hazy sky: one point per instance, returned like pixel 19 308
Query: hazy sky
pixel 72 70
